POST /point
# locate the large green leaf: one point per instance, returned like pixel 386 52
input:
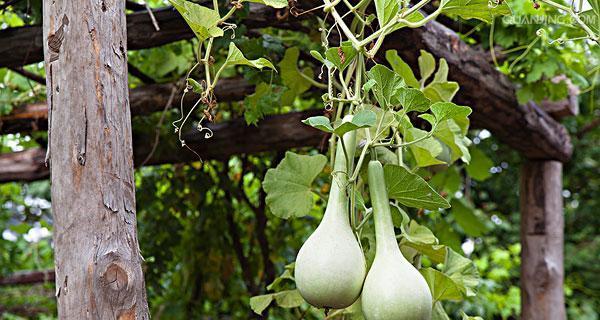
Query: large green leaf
pixel 402 68
pixel 467 217
pixel 442 286
pixel 411 190
pixel 384 83
pixel 483 10
pixel 288 186
pixel 412 99
pixel 202 20
pixel 480 165
pixel 236 57
pixel 272 3
pixel 292 77
pixel 362 119
pixel 463 271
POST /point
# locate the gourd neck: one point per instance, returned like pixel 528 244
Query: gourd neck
pixel 337 204
pixel 384 227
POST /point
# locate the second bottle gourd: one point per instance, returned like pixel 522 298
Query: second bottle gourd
pixel 393 289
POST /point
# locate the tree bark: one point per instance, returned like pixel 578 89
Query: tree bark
pixel 542 224
pixel 97 257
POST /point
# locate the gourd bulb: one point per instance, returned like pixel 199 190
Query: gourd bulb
pixel 330 266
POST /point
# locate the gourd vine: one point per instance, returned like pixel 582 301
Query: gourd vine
pixel 388 128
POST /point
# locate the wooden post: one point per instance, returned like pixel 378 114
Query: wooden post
pixel 542 224
pixel 97 258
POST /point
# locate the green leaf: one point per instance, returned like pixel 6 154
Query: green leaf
pixel 422 239
pixel 260 103
pixel 320 122
pixel 424 151
pixel 386 10
pixel 441 74
pixel 196 87
pixel 442 286
pixel 412 100
pixel 362 119
pixel 402 68
pixel 387 82
pixel 463 271
pixel 278 4
pixel 289 299
pixel 259 303
pixel 411 190
pixel 448 110
pixel 480 165
pixel 202 20
pixel 426 65
pixel 341 56
pixel 288 186
pixel 452 136
pixel 236 57
pixel 467 218
pixel 441 91
pixel 476 9
pixel 290 75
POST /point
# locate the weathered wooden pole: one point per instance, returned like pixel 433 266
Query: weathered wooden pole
pixel 97 258
pixel 542 224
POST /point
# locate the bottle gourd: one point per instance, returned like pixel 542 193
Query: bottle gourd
pixel 393 289
pixel 330 266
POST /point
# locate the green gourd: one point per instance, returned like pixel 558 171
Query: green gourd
pixel 330 267
pixel 393 289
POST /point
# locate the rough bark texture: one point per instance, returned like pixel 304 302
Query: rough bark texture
pixel 143 101
pixel 97 258
pixel 274 133
pixel 542 224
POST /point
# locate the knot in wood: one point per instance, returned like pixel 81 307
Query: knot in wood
pixel 115 277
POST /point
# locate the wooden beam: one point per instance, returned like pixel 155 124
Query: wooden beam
pixel 143 101
pixel 526 128
pixel 27 277
pixel 23 45
pixel 542 224
pixel 274 133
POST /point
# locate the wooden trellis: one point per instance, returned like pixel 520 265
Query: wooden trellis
pixel 527 128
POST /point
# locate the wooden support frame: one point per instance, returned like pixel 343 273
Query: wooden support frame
pixel 542 236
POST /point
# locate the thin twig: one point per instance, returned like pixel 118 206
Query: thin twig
pixel 152 17
pixel 588 127
pixel 159 125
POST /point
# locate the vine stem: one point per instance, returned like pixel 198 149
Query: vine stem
pixel 575 16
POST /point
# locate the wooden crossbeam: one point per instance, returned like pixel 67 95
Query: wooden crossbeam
pixel 274 133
